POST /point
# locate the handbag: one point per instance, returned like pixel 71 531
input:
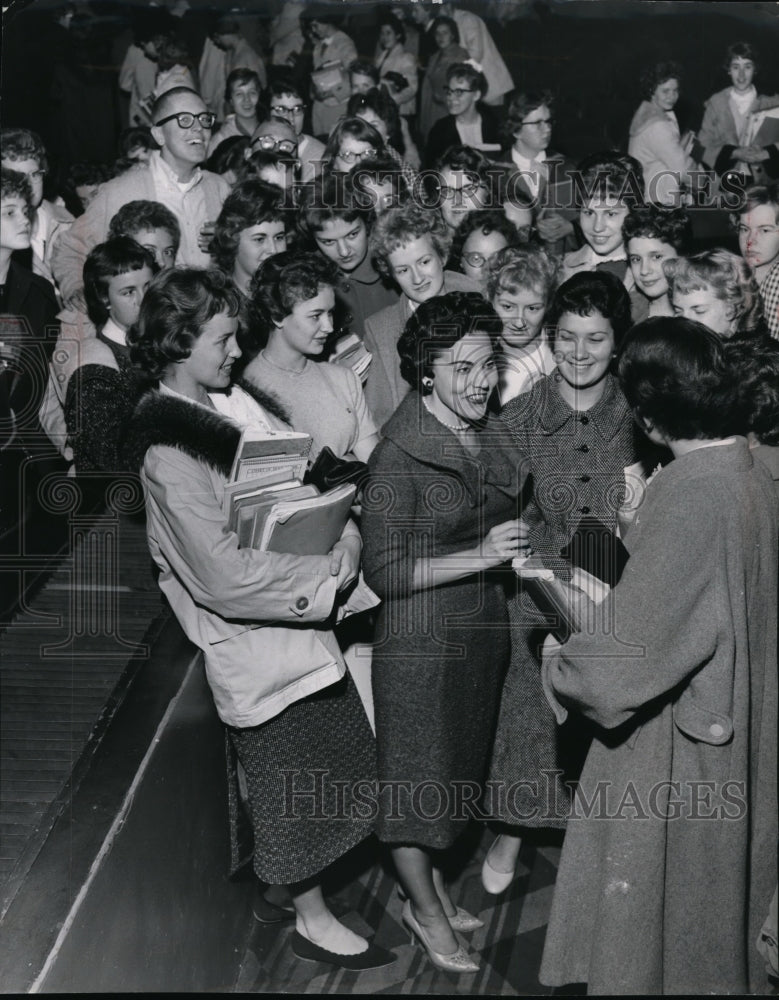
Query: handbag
pixel 328 471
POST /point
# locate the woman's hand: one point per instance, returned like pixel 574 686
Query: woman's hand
pixel 345 561
pixel 506 541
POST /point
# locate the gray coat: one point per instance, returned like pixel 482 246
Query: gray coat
pixel 663 888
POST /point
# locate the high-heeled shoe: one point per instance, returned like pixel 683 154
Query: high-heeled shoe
pixel 459 961
pixel 461 920
pixel 495 882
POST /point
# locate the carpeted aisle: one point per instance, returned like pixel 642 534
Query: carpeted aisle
pixel 362 893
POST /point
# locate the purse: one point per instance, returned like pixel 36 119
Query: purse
pixel 328 471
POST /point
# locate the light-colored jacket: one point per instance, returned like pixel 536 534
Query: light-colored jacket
pixel 257 616
pixel 656 144
pixel 397 60
pixel 201 202
pixel 479 44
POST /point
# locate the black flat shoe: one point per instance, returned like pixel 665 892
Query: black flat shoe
pixel 373 958
pixel 266 912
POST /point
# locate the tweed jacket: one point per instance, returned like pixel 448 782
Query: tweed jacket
pixel 577 459
pixel 258 617
pixel 678 674
pixel 385 386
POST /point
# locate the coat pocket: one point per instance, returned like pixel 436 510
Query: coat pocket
pixel 701 723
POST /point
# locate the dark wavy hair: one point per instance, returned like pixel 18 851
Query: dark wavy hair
pixel 485 221
pixel 519 107
pixel 447 22
pixel 592 291
pixel 280 283
pixel 382 105
pixel 755 386
pixel 176 307
pixel 754 196
pixel 136 137
pixel 105 261
pixel 387 17
pixel 331 198
pixel 659 73
pixel 15 183
pixel 378 169
pixel 669 225
pixel 741 50
pixel 675 376
pixel 249 204
pixel 437 325
pixel 140 215
pixel 229 154
pixel 609 174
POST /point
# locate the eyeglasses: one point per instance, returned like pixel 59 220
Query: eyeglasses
pixel 476 259
pixel 350 157
pixel 279 109
pixel 186 119
pixel 457 91
pixel 268 143
pixel 466 191
pixel 539 122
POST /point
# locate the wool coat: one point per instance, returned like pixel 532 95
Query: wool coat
pixel 669 861
pixel 656 143
pixel 439 653
pixel 385 386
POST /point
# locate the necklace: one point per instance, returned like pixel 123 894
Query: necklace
pixel 281 368
pixel 452 427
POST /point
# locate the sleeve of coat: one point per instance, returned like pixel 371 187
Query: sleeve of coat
pixel 663 621
pixel 662 139
pixel 710 134
pixel 187 522
pixel 389 512
pixel 72 247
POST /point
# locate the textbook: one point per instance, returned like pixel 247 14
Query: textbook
pixel 270 508
pixel 350 352
pixel 307 526
pixel 263 453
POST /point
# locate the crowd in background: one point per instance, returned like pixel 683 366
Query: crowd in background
pixel 510 352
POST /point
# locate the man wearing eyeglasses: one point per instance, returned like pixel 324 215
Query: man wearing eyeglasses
pixel 173 176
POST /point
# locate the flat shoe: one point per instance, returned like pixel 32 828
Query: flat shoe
pixel 374 957
pixel 266 912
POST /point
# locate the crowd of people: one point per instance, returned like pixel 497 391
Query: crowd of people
pixel 559 380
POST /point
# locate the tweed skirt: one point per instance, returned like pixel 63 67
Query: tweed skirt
pixel 301 770
pixel 533 759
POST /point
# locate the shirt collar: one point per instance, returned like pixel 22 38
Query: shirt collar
pixel 365 273
pixel 162 171
pixel 114 333
pixel 606 416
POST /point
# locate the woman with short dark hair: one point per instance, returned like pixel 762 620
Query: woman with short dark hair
pixel 469 121
pixel 655 141
pixel 439 515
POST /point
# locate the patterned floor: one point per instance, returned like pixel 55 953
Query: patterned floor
pixel 362 894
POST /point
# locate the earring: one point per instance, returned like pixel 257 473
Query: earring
pixel 427 383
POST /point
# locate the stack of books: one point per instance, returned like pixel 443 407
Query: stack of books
pixel 350 351
pixel 267 504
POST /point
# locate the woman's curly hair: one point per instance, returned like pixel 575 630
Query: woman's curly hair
pixel 437 325
pixel 728 276
pixel 399 226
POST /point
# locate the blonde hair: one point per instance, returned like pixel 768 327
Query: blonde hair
pixel 727 275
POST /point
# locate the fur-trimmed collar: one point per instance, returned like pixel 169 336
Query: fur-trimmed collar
pixel 198 431
pixel 202 433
